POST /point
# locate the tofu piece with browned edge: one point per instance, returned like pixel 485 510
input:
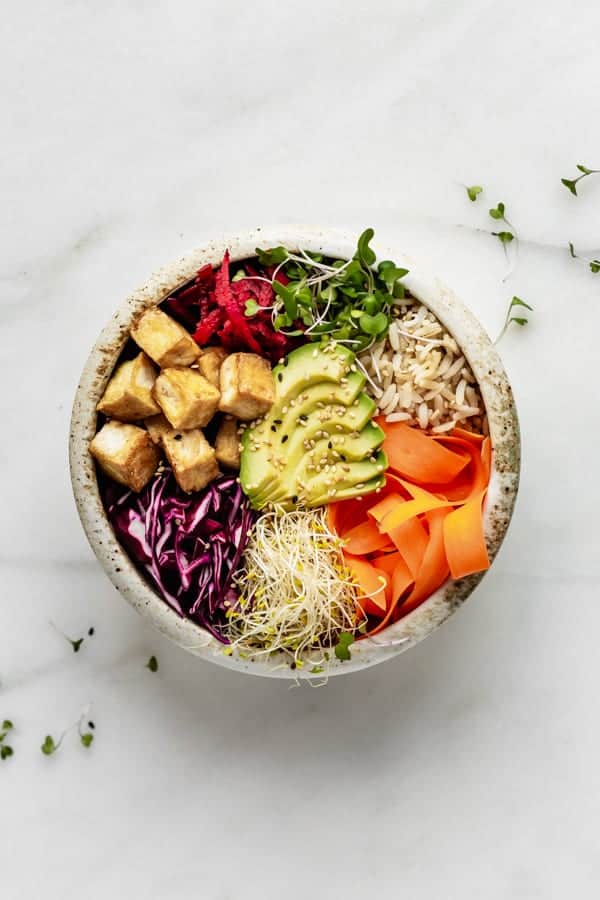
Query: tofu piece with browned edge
pixel 186 398
pixel 157 425
pixel 128 394
pixel 164 340
pixel 227 443
pixel 210 362
pixel 247 388
pixel 191 457
pixel 126 453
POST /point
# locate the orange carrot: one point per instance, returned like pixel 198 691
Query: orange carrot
pixel 364 538
pixel 411 539
pixel 414 455
pixel 374 585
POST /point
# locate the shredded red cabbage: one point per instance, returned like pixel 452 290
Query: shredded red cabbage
pixel 188 545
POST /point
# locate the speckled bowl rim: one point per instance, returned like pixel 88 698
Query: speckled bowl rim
pixel 477 348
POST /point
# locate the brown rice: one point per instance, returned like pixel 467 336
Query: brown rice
pixel 418 374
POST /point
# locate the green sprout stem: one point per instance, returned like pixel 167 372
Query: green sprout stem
pixel 571 183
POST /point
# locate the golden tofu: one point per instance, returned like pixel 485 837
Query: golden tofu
pixel 227 443
pixel 192 458
pixel 128 394
pixel 164 340
pixel 210 363
pixel 126 453
pixel 247 388
pixel 157 425
pixel 187 399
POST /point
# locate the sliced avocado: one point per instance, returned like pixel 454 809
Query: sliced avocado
pixel 311 364
pixel 319 414
pixel 346 493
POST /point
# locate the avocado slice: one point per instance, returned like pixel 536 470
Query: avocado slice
pixel 310 364
pixel 320 413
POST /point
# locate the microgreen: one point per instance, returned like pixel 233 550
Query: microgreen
pixel 504 236
pixel 342 648
pixel 50 746
pixel 152 664
pixel 74 642
pixel 510 318
pixel 473 192
pixel 86 738
pixel 5 749
pixel 349 301
pixel 571 183
pixel 251 308
pixel 593 264
pixel 316 670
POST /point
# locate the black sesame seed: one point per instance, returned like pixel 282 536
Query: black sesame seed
pixel 280 376
pixel 278 421
pixel 342 457
pixel 330 445
pixel 295 498
pixel 284 438
pixel 273 428
pixel 292 665
pixel 177 437
pixel 286 361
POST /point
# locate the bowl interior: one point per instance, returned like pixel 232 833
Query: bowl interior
pixel 454 316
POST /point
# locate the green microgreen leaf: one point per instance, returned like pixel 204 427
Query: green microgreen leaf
pixel 342 648
pixel 498 212
pixel 5 751
pixel 504 236
pixel 49 746
pixel 251 308
pixel 316 670
pixel 7 725
pixel 571 185
pixel 288 296
pixel 86 738
pixel 473 192
pixel 518 320
pixel 373 325
pixel 152 664
pixel 364 253
pixel 239 275
pixel 272 257
pixel 595 266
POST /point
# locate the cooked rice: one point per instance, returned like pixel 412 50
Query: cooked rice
pixel 418 374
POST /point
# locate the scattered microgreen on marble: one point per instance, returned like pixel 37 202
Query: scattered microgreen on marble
pixel 473 192
pixel 5 749
pixel 152 664
pixel 515 303
pixel 342 648
pixel 593 264
pixel 50 746
pixel 571 183
pixel 74 642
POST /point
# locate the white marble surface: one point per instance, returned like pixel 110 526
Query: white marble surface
pixel 467 768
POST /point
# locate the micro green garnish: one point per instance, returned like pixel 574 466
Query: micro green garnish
pixel 571 183
pixel 473 192
pixel 74 642
pixel 505 237
pixel 152 664
pixel 5 749
pixel 342 648
pixel 518 320
pixel 50 746
pixel 316 670
pixel 593 264
pixel 348 301
pixel 251 308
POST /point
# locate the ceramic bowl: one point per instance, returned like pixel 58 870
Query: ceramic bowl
pixel 482 358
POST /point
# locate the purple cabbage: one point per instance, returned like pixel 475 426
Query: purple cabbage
pixel 188 545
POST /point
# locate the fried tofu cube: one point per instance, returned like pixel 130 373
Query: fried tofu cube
pixel 191 457
pixel 164 340
pixel 126 453
pixel 186 398
pixel 209 364
pixel 128 394
pixel 227 443
pixel 157 426
pixel 247 388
